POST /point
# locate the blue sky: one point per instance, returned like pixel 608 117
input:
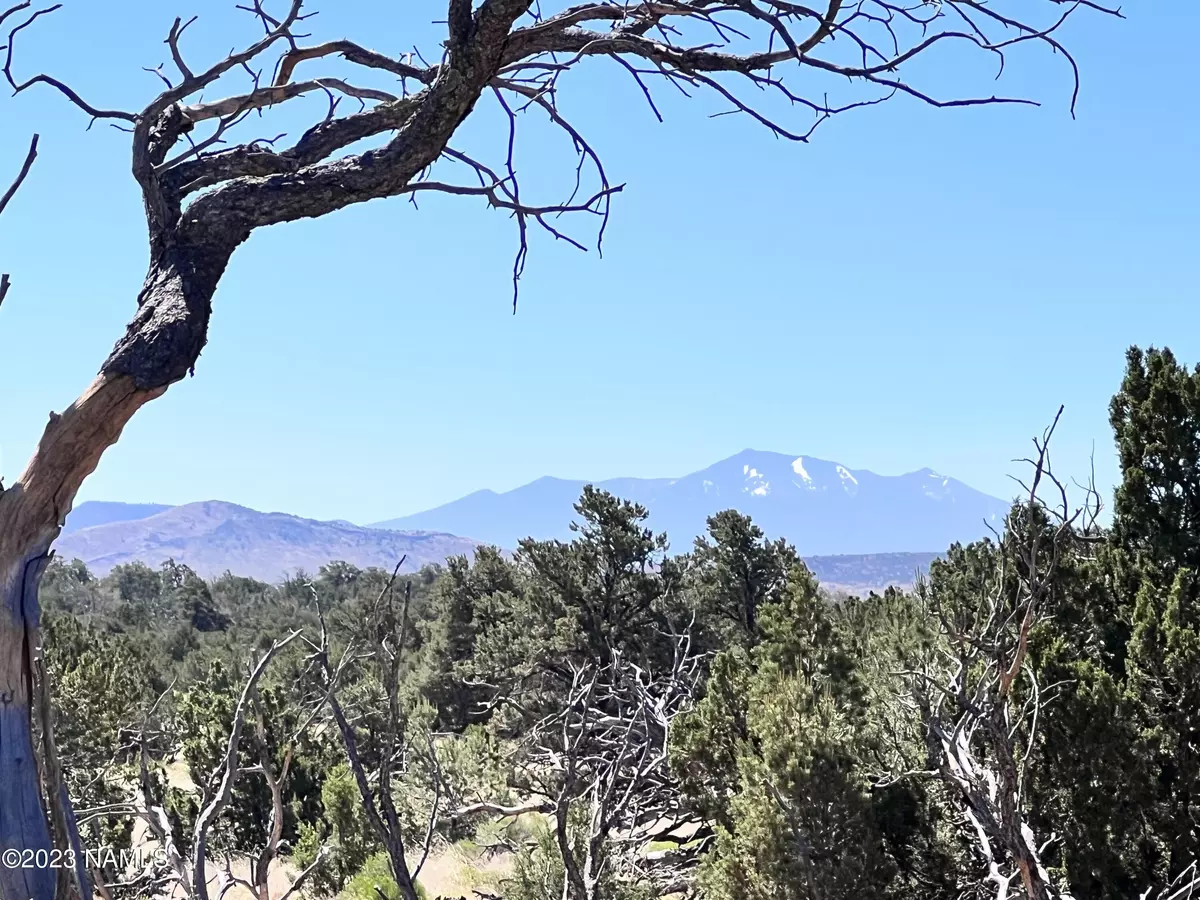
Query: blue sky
pixel 913 288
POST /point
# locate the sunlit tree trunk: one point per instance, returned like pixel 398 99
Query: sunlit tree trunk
pixel 159 347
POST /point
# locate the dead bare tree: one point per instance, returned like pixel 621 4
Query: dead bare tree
pixel 375 779
pixel 603 752
pixel 206 186
pixel 980 704
pixel 599 768
pixel 257 880
pixel 980 700
pixel 189 876
pixel 276 778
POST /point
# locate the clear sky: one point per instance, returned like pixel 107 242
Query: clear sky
pixel 913 288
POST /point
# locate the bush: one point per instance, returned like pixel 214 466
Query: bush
pixel 374 881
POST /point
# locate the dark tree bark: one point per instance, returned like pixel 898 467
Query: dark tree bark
pixel 204 194
pixel 11 192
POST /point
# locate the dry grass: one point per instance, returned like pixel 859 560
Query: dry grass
pixel 456 870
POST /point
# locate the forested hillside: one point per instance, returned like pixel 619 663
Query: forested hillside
pixel 600 718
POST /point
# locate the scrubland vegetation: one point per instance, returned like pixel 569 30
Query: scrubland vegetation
pixel 601 718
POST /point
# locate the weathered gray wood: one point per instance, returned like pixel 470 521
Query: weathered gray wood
pixel 24 828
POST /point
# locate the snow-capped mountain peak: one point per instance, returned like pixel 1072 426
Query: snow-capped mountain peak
pixel 821 506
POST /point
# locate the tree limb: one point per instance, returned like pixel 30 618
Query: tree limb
pixel 228 771
pixel 22 174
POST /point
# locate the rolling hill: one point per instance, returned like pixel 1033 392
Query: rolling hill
pixel 213 537
pixel 88 515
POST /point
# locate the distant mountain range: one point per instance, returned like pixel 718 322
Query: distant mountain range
pixel 215 537
pixel 822 507
pixel 857 530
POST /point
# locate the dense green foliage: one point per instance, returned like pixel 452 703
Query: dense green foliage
pixel 803 760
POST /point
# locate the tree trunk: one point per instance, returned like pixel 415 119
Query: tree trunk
pixel 23 824
pixel 33 802
pixel 159 347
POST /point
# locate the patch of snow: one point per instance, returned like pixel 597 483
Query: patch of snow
pixel 845 475
pixel 756 482
pixel 945 482
pixel 707 484
pixel 798 468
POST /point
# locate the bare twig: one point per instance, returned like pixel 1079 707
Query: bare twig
pixel 22 174
pixel 30 156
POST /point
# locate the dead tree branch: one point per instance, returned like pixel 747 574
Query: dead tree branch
pixel 22 174
pixel 869 44
pixel 602 758
pixel 981 735
pixel 227 772
pixel 390 633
